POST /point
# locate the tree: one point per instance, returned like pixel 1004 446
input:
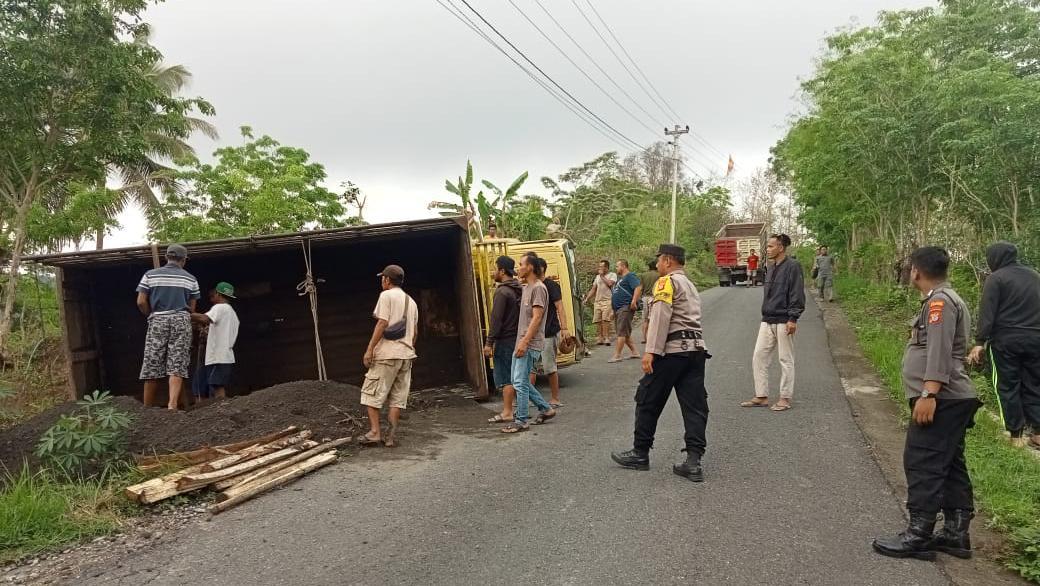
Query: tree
pixel 76 101
pixel 480 210
pixel 261 187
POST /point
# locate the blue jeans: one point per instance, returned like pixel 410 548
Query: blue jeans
pixel 524 389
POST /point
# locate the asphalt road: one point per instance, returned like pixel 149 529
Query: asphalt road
pixel 789 498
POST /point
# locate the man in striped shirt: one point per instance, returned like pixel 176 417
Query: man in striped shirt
pixel 167 296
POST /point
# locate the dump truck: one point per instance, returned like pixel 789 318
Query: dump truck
pixel 733 244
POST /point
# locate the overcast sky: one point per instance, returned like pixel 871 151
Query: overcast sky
pixel 395 95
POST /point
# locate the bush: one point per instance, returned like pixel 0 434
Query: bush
pixel 90 438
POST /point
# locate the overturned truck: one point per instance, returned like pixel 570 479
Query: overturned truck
pixel 286 332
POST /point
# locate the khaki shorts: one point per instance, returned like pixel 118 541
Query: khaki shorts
pixel 601 312
pixel 387 378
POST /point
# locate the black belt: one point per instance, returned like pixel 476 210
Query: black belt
pixel 685 335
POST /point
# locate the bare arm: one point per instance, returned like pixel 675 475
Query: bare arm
pixel 200 318
pixel 637 295
pixel 143 305
pixel 562 313
pixel 377 335
pixel 192 305
pixel 536 320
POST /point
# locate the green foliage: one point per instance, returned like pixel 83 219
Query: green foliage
pixel 261 187
pixel 515 216
pixel 93 435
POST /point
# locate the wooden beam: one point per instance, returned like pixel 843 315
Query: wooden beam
pixel 198 479
pixel 238 484
pixel 255 451
pixel 285 477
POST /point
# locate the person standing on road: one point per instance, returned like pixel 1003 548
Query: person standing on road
pixel 824 269
pixel 674 359
pixel 221 323
pixel 529 345
pixel 943 402
pixel 167 296
pixel 752 267
pixel 648 279
pixel 501 338
pixel 783 301
pixel 599 293
pixel 389 357
pixel 625 302
pixel 555 332
pixel 1009 326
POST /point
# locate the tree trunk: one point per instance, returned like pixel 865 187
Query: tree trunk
pixel 11 292
pixel 99 239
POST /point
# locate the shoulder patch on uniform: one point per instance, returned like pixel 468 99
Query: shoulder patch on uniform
pixel 935 311
pixel 663 290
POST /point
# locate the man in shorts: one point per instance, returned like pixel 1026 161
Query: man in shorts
pixel 625 301
pixel 167 296
pixel 602 288
pixel 222 325
pixel 389 356
pixel 648 279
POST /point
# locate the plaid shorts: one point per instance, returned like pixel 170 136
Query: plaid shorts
pixel 167 346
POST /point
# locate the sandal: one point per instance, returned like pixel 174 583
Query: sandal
pixel 499 419
pixel 515 428
pixel 555 405
pixel 367 442
pixel 543 417
pixel 754 404
pixel 613 360
pixel 778 407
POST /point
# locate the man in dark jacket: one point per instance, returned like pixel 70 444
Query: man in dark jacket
pixel 1009 326
pixel 783 301
pixel 501 339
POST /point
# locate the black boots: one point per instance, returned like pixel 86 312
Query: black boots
pixel 691 468
pixel 915 542
pixel 633 459
pixel 954 539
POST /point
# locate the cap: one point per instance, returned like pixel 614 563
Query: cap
pixel 177 251
pixel 507 264
pixel 672 250
pixel 225 289
pixel 392 272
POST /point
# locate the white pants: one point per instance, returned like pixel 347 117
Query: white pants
pixel 773 337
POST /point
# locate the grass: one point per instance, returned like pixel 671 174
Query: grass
pixel 41 511
pixel 1006 479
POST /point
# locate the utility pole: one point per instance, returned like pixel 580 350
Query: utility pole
pixel 677 132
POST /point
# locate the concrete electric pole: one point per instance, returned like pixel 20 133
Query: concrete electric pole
pixel 677 132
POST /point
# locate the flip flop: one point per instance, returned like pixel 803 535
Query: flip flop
pixel 635 358
pixel 754 404
pixel 556 405
pixel 368 442
pixel 543 417
pixel 778 407
pixel 515 428
pixel 613 360
pixel 499 419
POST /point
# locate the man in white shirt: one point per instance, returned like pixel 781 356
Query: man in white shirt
pixel 389 356
pixel 222 324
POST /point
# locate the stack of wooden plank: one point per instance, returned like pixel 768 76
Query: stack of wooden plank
pixel 237 471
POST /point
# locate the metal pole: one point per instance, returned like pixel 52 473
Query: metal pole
pixel 675 172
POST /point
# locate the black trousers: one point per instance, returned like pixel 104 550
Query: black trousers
pixel 933 459
pixel 684 373
pixel 1016 377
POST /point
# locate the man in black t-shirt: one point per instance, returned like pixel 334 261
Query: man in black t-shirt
pixel 555 330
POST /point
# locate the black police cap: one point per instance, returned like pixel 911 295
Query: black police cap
pixel 672 250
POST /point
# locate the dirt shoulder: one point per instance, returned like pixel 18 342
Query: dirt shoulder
pixel 879 421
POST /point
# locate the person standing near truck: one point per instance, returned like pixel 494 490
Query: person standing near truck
pixel 167 296
pixel 599 293
pixel 752 267
pixel 555 332
pixel 501 338
pixel 625 302
pixel 783 302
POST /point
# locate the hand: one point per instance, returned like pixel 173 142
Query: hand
pixel 521 348
pixel 924 411
pixel 564 334
pixel 648 363
pixel 975 356
pixel 634 305
pixel 488 351
pixel 367 359
pixel 792 327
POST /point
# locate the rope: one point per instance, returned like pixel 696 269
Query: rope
pixel 309 288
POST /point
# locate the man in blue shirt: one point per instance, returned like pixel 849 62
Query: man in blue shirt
pixel 625 302
pixel 167 296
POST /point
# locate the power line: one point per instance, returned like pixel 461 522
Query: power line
pixel 546 75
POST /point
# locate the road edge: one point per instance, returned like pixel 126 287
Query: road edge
pixel 878 420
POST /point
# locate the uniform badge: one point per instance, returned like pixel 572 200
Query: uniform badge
pixel 935 312
pixel 663 291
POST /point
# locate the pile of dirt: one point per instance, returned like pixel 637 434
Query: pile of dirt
pixel 322 407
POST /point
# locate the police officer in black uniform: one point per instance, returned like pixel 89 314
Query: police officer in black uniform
pixel 674 358
pixel 944 402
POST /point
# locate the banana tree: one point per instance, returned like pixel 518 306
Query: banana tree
pixel 504 200
pixel 465 206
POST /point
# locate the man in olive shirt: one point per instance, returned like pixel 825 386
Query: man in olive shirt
pixel 944 402
pixel 648 279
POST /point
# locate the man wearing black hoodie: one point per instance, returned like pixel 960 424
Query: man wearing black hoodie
pixel 501 339
pixel 1009 327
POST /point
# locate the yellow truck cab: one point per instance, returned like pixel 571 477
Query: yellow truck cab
pixel 558 255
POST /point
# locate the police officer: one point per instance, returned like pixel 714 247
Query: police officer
pixel 674 358
pixel 944 403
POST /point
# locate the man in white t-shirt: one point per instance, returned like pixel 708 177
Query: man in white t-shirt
pixel 222 325
pixel 389 356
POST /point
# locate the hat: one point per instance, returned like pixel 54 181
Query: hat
pixel 225 289
pixel 177 251
pixel 672 250
pixel 507 264
pixel 393 272
pixel 568 344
